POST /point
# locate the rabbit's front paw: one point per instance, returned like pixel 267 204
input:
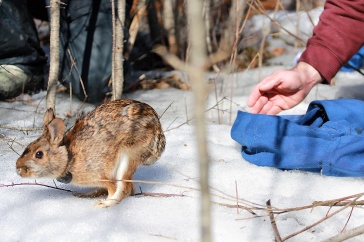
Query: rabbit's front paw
pixel 105 203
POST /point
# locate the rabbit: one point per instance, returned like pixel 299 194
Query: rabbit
pixel 102 149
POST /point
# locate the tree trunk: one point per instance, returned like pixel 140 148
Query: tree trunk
pixel 168 21
pixel 118 46
pixel 54 54
pixel 200 91
pixel 230 33
pixel 154 27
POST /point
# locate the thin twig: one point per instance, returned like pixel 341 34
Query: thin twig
pixel 237 197
pixel 334 202
pixel 11 147
pixel 34 184
pixel 257 6
pixel 167 129
pixel 347 234
pixel 162 236
pixel 250 210
pixel 190 119
pixel 7 138
pixel 165 110
pixel 73 62
pixel 273 222
pixel 153 194
pixel 216 98
pixel 347 221
pixel 319 221
pixel 186 110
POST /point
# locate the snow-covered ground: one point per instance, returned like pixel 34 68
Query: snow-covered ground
pixel 37 213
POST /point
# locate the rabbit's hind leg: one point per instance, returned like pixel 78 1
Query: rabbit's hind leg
pixel 105 203
pixel 120 188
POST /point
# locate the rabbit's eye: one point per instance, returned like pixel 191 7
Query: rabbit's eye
pixel 39 155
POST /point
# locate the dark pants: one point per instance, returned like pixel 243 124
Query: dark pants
pixel 86 37
pixel 19 44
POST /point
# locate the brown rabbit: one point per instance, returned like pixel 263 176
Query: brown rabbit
pixel 104 147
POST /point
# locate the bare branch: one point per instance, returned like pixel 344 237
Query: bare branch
pixel 237 197
pixel 34 184
pixel 78 73
pixel 321 220
pixel 257 6
pixel 190 119
pixel 347 234
pixel 166 110
pixel 273 222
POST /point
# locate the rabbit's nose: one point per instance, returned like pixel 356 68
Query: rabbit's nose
pixel 21 170
pixel 18 170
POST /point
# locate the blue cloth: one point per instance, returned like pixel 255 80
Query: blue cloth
pixel 356 61
pixel 329 138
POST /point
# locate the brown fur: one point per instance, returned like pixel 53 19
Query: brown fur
pixel 104 147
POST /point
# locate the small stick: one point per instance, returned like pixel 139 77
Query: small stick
pixel 218 111
pixel 34 184
pixel 338 204
pixel 188 120
pixel 347 221
pixel 162 236
pixel 258 7
pixel 347 234
pixel 152 194
pixel 166 110
pixel 170 125
pixel 71 98
pixel 320 221
pixel 3 136
pixel 237 197
pixel 186 110
pixel 273 222
pixel 78 72
pixel 11 147
pixel 250 210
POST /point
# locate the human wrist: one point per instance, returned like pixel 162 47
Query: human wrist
pixel 309 74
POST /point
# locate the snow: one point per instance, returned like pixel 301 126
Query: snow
pixel 38 213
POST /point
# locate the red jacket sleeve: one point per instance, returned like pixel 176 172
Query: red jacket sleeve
pixel 338 35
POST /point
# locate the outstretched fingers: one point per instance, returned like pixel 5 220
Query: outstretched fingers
pixel 259 99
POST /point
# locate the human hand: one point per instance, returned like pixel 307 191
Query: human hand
pixel 283 89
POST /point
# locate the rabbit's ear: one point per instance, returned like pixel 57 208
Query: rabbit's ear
pixel 56 129
pixel 48 116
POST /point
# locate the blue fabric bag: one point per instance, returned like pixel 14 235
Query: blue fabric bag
pixel 329 138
